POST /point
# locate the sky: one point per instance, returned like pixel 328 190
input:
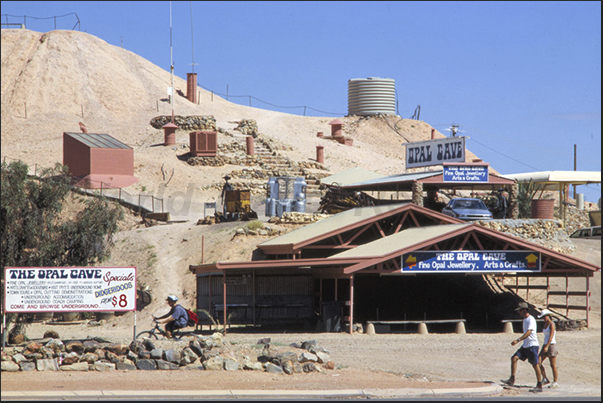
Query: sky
pixel 522 80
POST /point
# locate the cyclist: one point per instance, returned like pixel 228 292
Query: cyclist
pixel 177 317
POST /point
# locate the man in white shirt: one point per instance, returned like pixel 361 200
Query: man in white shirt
pixel 529 348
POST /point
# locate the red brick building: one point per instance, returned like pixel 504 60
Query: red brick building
pixel 98 160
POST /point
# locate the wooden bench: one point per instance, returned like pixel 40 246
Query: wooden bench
pixel 422 328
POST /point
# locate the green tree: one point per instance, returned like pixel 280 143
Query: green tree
pixel 33 233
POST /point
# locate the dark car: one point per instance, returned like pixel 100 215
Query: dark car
pixel 467 209
pixel 589 233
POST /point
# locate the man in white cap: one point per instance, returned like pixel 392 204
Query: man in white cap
pixel 549 348
pixel 176 317
pixel 529 348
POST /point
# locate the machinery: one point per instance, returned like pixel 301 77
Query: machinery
pixel 238 205
pixel 285 194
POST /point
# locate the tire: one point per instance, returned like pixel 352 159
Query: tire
pixel 147 334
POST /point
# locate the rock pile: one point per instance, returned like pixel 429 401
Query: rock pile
pixel 298 218
pixel 548 233
pixel 576 219
pixel 186 122
pixel 249 127
pixel 202 353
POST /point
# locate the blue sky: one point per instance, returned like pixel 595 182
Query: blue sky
pixel 522 79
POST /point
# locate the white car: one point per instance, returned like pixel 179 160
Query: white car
pixel 467 209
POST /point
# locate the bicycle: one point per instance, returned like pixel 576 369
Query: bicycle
pixel 157 331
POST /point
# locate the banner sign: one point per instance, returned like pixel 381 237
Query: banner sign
pixel 470 261
pixel 465 173
pixel 70 289
pixel 435 152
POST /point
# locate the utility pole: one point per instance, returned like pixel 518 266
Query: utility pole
pixel 575 167
pixel 171 64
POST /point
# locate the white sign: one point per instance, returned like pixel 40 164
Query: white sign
pixel 170 91
pixel 435 152
pixel 70 289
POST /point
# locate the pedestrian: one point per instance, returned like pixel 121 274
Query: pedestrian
pixel 225 189
pixel 528 349
pixel 502 203
pixel 549 349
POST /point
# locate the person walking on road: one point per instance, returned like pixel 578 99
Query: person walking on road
pixel 528 349
pixel 549 349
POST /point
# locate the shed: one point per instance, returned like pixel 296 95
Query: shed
pixel 98 160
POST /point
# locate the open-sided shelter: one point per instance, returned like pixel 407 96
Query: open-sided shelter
pixel 363 265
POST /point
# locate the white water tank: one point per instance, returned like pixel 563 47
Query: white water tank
pixel 371 96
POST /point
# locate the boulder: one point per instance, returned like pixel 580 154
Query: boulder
pixel 230 364
pixel 19 358
pixel 188 356
pixel 323 357
pixel 214 363
pixel 74 346
pixel 32 347
pixel 90 358
pixel 172 356
pixel 71 358
pixel 164 365
pixel 27 366
pixel 51 334
pixel 309 367
pixel 90 346
pixel 47 365
pixel 9 366
pixel 119 349
pixel 78 366
pixel 56 345
pixel 137 346
pixel 157 354
pixel 146 365
pixel 273 369
pixel 195 345
pixel 103 366
pixel 308 357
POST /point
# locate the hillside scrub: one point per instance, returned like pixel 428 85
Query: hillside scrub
pixel 33 232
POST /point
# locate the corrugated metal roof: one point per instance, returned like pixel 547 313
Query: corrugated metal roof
pixel 330 224
pixel 353 175
pixel 392 179
pixel 94 140
pixel 552 179
pixel 402 239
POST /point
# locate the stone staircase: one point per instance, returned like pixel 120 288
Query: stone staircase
pixel 273 164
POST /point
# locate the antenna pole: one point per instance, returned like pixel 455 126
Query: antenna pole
pixel 171 64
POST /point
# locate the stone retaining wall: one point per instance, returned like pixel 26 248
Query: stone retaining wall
pixel 547 233
pixel 186 122
pixel 202 353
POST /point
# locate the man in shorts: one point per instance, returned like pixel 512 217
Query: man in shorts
pixel 529 348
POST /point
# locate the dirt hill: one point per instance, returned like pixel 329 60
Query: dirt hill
pixel 52 81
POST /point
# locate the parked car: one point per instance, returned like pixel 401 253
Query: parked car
pixel 467 209
pixel 590 232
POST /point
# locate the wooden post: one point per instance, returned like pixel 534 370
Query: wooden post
pixel 224 300
pixel 209 302
pixel 587 301
pixel 352 304
pixel 253 293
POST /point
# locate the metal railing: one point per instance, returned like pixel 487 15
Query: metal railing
pixel 25 17
pixel 137 201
